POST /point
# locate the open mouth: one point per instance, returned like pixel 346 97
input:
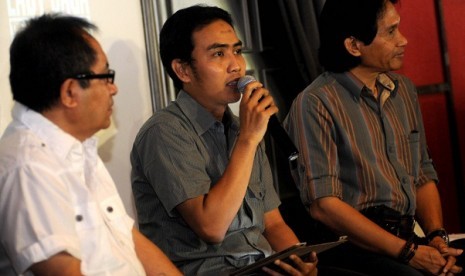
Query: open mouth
pixel 233 84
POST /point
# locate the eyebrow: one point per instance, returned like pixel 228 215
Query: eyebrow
pixel 223 45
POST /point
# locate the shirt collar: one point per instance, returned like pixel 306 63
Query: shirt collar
pixel 60 142
pixel 352 84
pixel 200 118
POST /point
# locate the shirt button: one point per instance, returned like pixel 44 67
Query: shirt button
pixel 79 218
pixel 391 149
pixel 109 209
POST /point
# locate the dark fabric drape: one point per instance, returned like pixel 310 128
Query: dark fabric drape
pixel 299 19
pixel 300 22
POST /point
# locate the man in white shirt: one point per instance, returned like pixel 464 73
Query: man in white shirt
pixel 60 211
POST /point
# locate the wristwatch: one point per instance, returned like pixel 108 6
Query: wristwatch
pixel 441 232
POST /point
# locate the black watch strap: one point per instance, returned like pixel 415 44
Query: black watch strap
pixel 441 232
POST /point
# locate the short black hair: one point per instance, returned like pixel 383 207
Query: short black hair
pixel 48 50
pixel 341 19
pixel 176 34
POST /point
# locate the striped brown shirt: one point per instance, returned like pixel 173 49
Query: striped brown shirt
pixel 367 151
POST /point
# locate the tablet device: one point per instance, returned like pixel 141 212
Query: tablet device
pixel 301 249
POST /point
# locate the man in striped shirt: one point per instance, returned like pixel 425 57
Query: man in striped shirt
pixel 364 169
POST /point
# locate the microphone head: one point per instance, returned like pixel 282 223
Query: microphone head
pixel 242 82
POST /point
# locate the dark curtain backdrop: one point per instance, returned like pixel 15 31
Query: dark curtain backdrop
pixel 289 34
pixel 300 21
pixel 290 38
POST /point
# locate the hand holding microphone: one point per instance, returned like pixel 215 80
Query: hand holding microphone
pixel 282 140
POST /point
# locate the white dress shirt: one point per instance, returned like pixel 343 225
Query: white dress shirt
pixel 57 196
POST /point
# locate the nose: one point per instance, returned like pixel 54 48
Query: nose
pixel 113 89
pixel 402 40
pixel 236 63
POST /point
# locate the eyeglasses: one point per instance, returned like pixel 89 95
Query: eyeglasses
pixel 110 76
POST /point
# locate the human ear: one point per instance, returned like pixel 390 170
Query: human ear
pixel 352 46
pixel 69 93
pixel 181 69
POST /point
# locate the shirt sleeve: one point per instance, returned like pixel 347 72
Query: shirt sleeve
pixel 174 163
pixel 427 172
pixel 311 127
pixel 28 195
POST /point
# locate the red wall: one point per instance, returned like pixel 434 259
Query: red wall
pixel 423 65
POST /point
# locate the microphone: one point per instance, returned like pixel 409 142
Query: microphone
pixel 278 133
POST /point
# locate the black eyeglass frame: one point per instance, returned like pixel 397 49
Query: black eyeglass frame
pixel 110 76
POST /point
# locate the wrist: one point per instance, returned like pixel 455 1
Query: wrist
pixel 248 140
pixel 440 232
pixel 408 251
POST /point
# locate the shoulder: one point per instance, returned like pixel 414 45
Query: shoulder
pixel 18 147
pixel 325 88
pixel 169 119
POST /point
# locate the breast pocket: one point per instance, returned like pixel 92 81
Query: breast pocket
pixel 116 217
pixel 255 203
pixel 414 146
pixel 94 240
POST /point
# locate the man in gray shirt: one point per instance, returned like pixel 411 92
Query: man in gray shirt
pixel 201 179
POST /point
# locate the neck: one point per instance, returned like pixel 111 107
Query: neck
pixel 60 119
pixel 367 77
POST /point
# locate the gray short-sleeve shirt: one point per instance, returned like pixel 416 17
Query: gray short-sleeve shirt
pixel 180 153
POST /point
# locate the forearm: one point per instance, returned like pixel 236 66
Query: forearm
pixel 59 264
pixel 281 237
pixel 226 196
pixel 277 232
pixel 429 211
pixel 345 220
pixel 211 215
pixel 154 261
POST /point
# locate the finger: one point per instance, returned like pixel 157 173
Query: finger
pixel 259 94
pixel 454 270
pixel 289 269
pixel 312 257
pixel 251 88
pixel 440 245
pixel 271 272
pixel 297 260
pixel 307 267
pixel 265 104
pixel 443 248
pixel 453 252
pixel 450 263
